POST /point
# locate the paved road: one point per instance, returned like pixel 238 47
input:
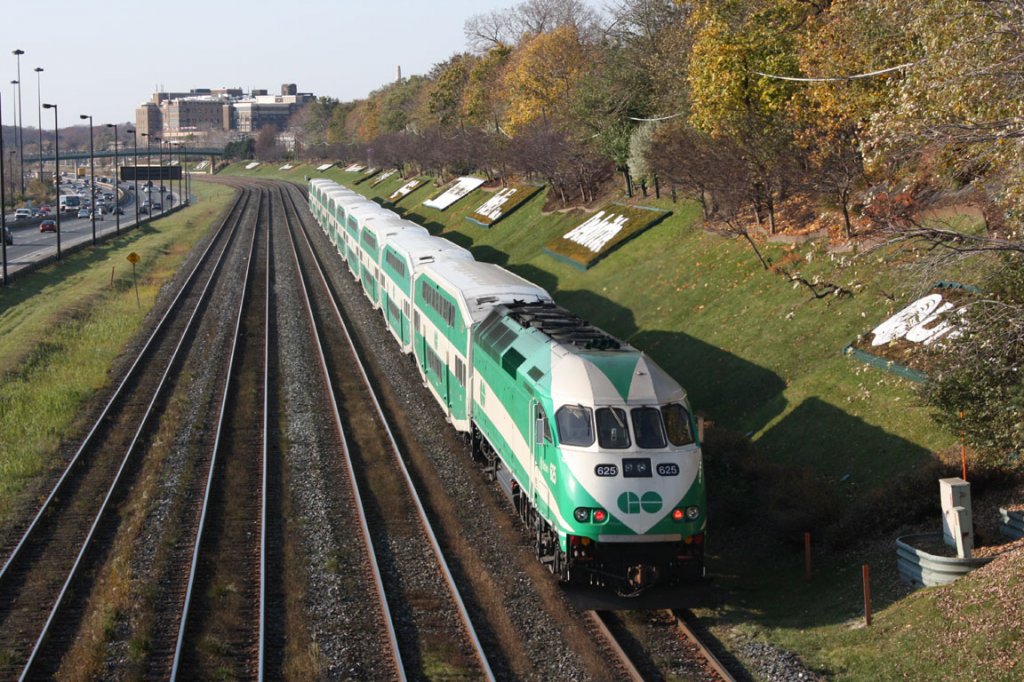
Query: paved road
pixel 31 245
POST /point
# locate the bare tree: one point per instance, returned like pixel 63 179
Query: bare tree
pixel 266 146
pixel 531 17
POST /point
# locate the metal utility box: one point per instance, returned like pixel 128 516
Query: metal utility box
pixel 957 522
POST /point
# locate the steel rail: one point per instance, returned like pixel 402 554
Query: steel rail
pixel 349 469
pixel 681 618
pixel 143 422
pixel 232 356
pixel 400 459
pixel 266 452
pixel 129 375
pixel 597 619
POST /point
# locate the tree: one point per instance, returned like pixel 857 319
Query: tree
pixel 640 144
pixel 709 170
pixel 239 149
pixel 311 123
pixel 482 104
pixel 527 19
pixel 542 76
pixel 977 384
pixel 730 100
pixel 960 100
pixel 266 146
pixel 447 88
pixel 606 104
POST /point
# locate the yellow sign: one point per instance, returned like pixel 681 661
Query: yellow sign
pixel 133 258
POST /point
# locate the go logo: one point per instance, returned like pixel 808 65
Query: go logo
pixel 631 503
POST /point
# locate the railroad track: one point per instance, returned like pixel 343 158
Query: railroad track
pixel 224 601
pixel 42 579
pixel 416 590
pixel 634 664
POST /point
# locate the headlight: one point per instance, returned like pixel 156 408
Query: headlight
pixel 581 514
pixel 692 513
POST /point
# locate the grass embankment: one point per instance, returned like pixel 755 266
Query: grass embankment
pixel 62 327
pixel 761 357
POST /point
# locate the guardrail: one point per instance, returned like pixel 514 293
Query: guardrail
pixel 1011 523
pixel 921 568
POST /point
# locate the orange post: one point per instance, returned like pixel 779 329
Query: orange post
pixel 963 449
pixel 866 574
pixel 807 556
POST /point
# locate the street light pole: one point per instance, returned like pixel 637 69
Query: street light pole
pixel 181 165
pixel 56 174
pixel 3 195
pixel 188 178
pixel 14 150
pixel 39 109
pixel 135 155
pixel 92 180
pixel 21 123
pixel 160 163
pixel 149 176
pixel 176 145
pixel 117 181
pixel 10 179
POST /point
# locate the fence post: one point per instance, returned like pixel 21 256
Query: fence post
pixel 807 556
pixel 866 574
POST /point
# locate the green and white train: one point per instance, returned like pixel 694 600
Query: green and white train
pixel 595 445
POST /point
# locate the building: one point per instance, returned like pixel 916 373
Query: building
pixel 199 112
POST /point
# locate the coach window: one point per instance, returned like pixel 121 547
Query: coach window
pixel 677 423
pixel 575 425
pixel 647 427
pixel 612 431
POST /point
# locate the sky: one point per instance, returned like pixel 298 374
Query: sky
pixel 106 58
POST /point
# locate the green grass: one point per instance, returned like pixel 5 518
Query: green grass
pixel 62 327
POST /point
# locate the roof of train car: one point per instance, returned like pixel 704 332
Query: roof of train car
pixel 366 208
pixel 420 248
pixel 481 286
pixel 384 227
pixel 577 362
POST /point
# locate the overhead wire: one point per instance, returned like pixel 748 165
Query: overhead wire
pixel 822 79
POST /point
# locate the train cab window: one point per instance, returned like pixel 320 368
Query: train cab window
pixel 647 427
pixel 543 429
pixel 612 431
pixel 575 425
pixel 677 423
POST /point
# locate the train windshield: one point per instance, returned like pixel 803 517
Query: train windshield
pixel 647 427
pixel 575 425
pixel 677 423
pixel 652 428
pixel 612 432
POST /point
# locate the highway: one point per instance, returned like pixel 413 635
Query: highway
pixel 31 245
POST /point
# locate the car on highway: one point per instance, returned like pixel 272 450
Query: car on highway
pixel 118 210
pixel 8 237
pixel 99 213
pixel 48 225
pixel 156 204
pixel 144 210
pixel 45 210
pixel 83 213
pixel 22 213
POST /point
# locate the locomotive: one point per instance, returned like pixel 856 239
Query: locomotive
pixel 596 446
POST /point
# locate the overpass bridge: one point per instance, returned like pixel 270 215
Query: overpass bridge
pixel 124 153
